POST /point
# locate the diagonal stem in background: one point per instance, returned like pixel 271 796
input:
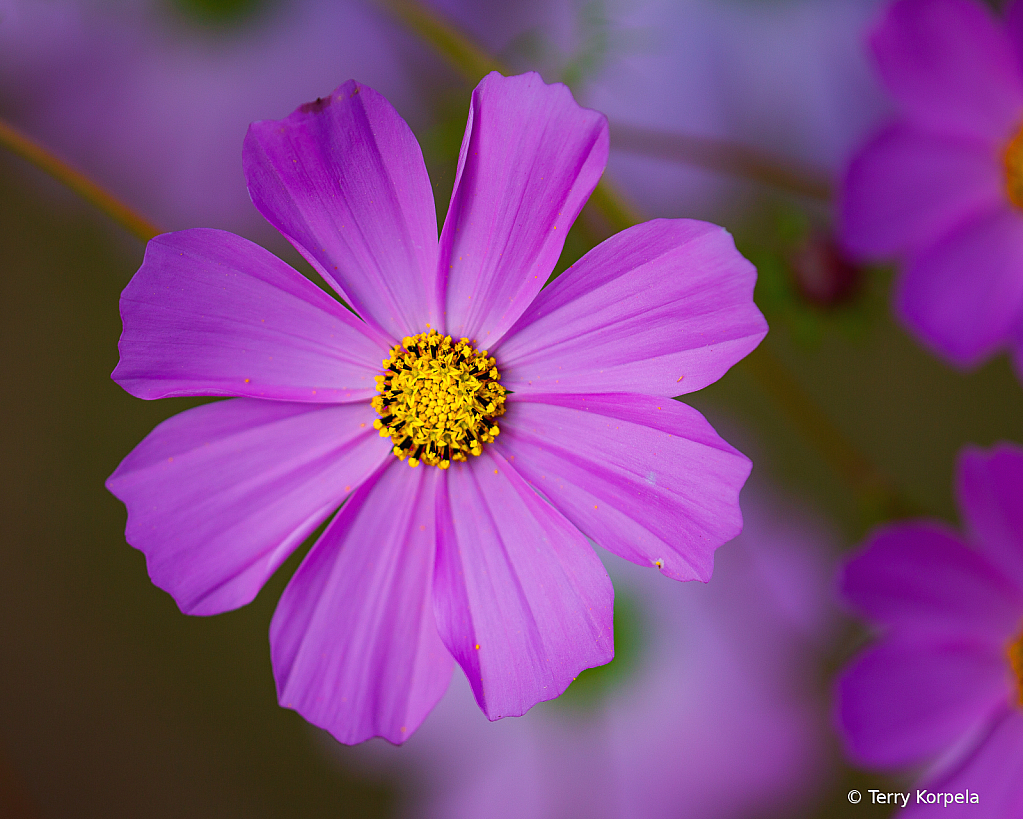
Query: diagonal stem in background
pixel 27 148
pixel 465 56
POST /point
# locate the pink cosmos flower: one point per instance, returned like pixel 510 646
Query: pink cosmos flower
pixel 945 684
pixel 537 419
pixel 941 188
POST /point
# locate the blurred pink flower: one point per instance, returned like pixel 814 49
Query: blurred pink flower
pixel 944 684
pixel 941 188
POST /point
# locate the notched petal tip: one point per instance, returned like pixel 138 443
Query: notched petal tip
pixel 315 106
pixel 535 80
pixel 210 313
pixel 530 157
pixel 343 93
pixel 346 91
pixel 343 179
pixel 219 495
pixel 522 601
pixel 662 308
pixel 353 642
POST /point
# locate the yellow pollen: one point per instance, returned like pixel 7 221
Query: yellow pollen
pixel 438 399
pixel 1016 661
pixel 1013 161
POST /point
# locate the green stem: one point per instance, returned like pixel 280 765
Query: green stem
pixel 25 147
pixel 464 55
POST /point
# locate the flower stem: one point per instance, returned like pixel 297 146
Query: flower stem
pixel 719 155
pixel 464 55
pixel 27 148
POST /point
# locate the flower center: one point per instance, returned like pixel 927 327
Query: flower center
pixel 438 399
pixel 1013 160
pixel 1016 661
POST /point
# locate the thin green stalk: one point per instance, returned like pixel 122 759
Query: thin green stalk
pixel 27 148
pixel 464 55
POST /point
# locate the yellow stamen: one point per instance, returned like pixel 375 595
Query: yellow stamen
pixel 1013 161
pixel 1016 661
pixel 438 399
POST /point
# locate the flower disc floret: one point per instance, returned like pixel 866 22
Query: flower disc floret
pixel 1013 160
pixel 438 399
pixel 1016 661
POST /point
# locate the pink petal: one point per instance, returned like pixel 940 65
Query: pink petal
pixel 907 186
pixel 663 308
pixel 530 159
pixel 646 478
pixel 354 642
pixel 219 495
pixel 994 772
pixel 964 295
pixel 522 601
pixel 344 180
pixel 210 313
pixel 951 67
pixel 901 703
pixel 989 488
pixel 921 579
